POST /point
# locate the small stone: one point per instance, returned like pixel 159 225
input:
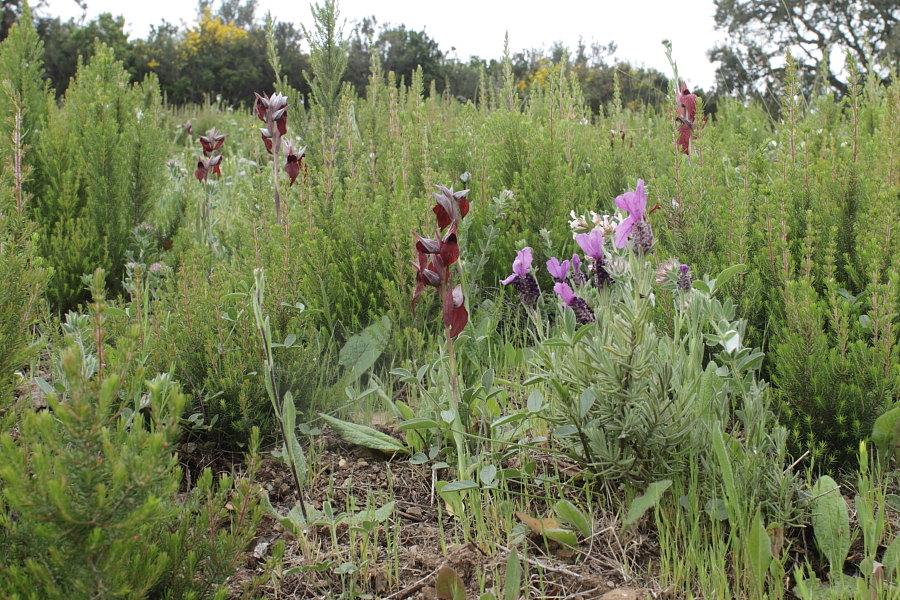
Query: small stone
pixel 342 464
pixel 261 549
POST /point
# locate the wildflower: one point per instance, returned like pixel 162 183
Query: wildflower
pixel 273 110
pixel 578 222
pixel 635 203
pixel 558 271
pixel 592 245
pixel 583 312
pixel 525 283
pixel 434 257
pixel 426 275
pixel 451 206
pixel 187 127
pixel 266 138
pixel 205 166
pixel 294 160
pixel 446 247
pixel 685 114
pixel 455 314
pixel 156 267
pixel 212 141
pixel 684 279
pixel 665 269
pixel 577 273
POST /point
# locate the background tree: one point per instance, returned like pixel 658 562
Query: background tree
pixel 817 33
pixel 67 41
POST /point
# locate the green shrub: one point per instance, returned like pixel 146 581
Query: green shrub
pixel 99 167
pixel 833 377
pixel 203 330
pixel 90 506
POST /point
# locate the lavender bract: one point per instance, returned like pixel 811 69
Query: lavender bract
pixel 525 283
pixel 635 203
pixel 592 245
pixel 558 271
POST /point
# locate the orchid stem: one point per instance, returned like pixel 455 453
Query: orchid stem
pixel 457 426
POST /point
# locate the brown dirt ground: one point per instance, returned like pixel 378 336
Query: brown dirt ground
pixel 424 537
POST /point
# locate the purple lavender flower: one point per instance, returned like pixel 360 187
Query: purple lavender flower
pixel 577 273
pixel 591 243
pixel 558 271
pixel 684 279
pixel 521 277
pixel 635 203
pixel 583 312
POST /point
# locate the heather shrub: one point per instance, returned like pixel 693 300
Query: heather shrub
pixel 90 486
pixel 21 281
pixel 21 73
pixel 203 330
pixel 99 166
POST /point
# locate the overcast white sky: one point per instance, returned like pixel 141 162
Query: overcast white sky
pixel 476 27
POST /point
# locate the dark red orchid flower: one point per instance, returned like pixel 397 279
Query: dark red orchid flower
pixel 294 160
pixel 685 115
pixel 426 275
pixel 451 206
pixel 187 127
pixel 212 141
pixel 207 166
pixel 266 138
pixel 273 110
pixel 455 314
pixel 446 247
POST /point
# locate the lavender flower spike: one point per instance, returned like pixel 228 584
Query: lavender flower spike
pixel 591 243
pixel 684 279
pixel 577 274
pixel 583 312
pixel 635 203
pixel 521 276
pixel 558 271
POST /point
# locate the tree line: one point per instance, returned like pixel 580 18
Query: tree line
pixel 223 54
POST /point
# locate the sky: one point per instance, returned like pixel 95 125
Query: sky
pixel 477 27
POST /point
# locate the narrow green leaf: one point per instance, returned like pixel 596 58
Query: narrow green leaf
pixel 417 423
pixel 726 275
pixel 586 402
pixel 571 514
pixel 458 486
pixel 513 578
pixel 487 381
pixel 363 435
pixel 891 559
pixel 759 549
pixel 645 502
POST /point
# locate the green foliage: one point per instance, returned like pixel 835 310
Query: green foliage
pixel 831 522
pixel 328 59
pixel 98 168
pixel 21 66
pixel 21 281
pixel 89 500
pixel 833 379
